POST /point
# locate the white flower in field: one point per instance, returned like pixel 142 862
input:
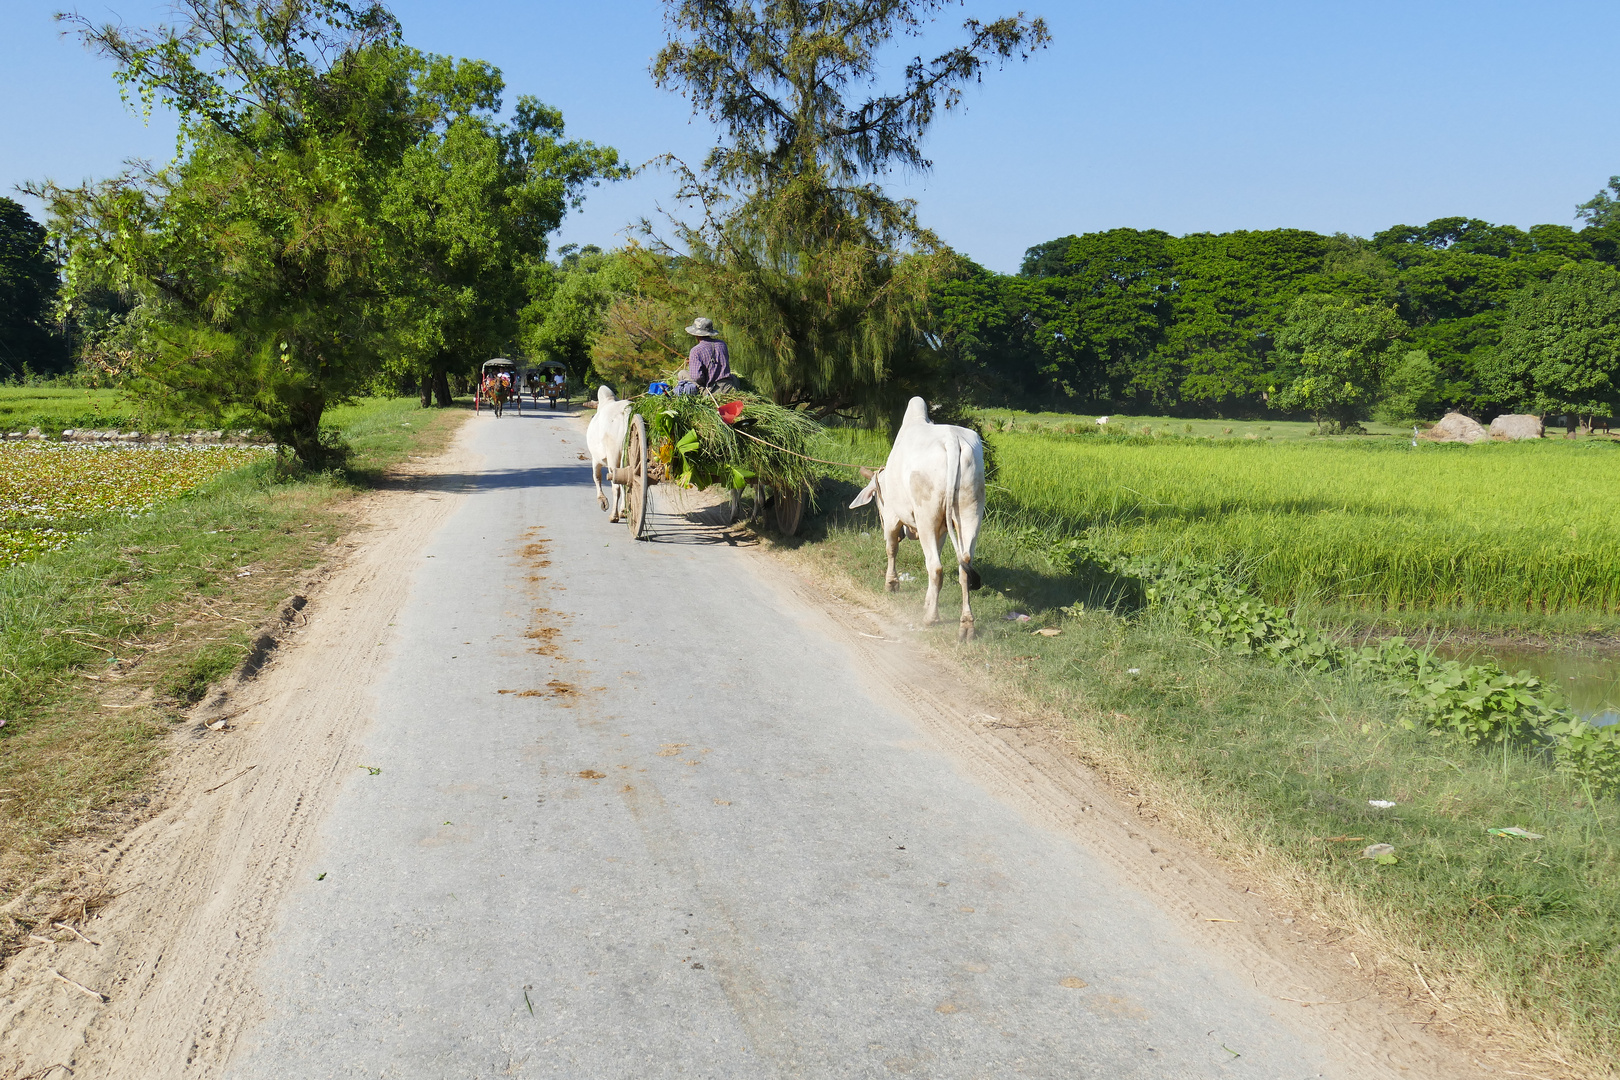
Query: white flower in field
pixel 1133 671
pixel 1382 804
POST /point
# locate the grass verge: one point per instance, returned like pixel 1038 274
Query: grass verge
pixel 1275 770
pixel 103 644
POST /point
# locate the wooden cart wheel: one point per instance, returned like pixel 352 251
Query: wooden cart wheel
pixel 789 509
pixel 638 491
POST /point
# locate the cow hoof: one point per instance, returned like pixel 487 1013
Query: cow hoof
pixel 965 632
pixel 891 585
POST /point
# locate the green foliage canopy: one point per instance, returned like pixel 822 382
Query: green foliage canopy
pixel 818 278
pixel 1560 349
pixel 337 197
pixel 28 286
pixel 1336 350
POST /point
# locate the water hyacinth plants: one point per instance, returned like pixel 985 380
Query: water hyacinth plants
pixel 50 493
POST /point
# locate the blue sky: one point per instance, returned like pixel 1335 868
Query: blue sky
pixel 1186 117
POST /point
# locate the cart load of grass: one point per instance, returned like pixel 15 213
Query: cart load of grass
pixel 1519 527
pixel 766 443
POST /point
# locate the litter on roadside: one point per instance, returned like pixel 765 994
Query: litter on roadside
pixel 1016 616
pixel 1514 830
pixel 1382 804
pixel 1383 853
pixel 1133 671
pixel 907 577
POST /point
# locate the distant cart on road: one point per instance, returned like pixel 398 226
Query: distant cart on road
pixel 549 379
pixel 498 383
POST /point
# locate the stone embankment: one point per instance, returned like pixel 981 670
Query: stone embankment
pixel 159 438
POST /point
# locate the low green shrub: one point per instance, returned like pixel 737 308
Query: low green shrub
pixel 1477 703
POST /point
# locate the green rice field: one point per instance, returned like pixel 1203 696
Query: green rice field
pixel 1521 527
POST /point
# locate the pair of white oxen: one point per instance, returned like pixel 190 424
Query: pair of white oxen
pixel 932 487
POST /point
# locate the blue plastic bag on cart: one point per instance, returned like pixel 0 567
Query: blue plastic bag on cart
pixel 658 388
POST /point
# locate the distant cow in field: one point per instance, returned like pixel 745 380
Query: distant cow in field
pixel 932 486
pixel 604 441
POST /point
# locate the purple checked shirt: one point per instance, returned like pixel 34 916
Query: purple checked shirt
pixel 708 362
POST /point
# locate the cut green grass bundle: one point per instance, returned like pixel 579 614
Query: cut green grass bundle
pixel 768 442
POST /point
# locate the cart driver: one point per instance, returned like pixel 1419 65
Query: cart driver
pixel 709 364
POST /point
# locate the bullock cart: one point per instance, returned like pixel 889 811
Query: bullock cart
pixel 746 445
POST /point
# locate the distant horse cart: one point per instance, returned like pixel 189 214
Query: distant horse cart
pixel 499 382
pixel 549 379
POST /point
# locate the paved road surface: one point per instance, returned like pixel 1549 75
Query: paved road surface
pixel 689 842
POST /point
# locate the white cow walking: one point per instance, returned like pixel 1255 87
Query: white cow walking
pixel 933 486
pixel 604 441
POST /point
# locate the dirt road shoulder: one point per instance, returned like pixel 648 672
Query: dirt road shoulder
pixel 161 975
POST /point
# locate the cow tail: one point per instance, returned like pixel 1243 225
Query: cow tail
pixel 953 514
pixel 953 486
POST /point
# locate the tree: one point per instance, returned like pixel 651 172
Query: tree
pixel 1335 351
pixel 987 332
pixel 818 278
pixel 1231 293
pixel 337 195
pixel 470 209
pixel 28 283
pixel 1099 311
pixel 1602 209
pixel 1560 350
pixel 256 251
pixel 1411 389
pixel 593 315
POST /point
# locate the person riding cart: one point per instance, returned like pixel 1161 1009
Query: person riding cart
pixel 708 365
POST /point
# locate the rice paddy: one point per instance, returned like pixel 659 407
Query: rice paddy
pixel 1522 527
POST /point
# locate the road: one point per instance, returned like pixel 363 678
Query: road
pixel 628 810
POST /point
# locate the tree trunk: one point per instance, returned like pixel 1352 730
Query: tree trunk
pixel 441 389
pixel 304 432
pixel 427 390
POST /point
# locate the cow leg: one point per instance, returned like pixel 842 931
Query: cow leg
pixel 891 540
pixel 968 579
pixel 931 545
pixel 596 478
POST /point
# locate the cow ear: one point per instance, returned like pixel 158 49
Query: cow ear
pixel 866 494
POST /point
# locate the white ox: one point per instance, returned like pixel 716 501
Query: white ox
pixel 604 441
pixel 932 486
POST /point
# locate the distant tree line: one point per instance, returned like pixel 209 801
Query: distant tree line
pixel 1456 314
pixel 29 343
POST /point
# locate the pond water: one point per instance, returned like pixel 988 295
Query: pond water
pixel 1590 682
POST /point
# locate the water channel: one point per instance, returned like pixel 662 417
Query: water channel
pixel 1590 682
